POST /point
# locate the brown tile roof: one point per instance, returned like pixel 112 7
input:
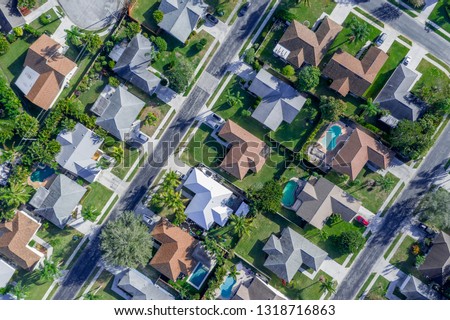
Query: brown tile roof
pixel 357 151
pixel 44 58
pixel 350 74
pixel 306 45
pixel 437 263
pixel 175 253
pixel 14 238
pixel 247 151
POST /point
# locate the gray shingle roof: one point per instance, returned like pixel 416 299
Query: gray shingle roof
pixel 133 63
pixel 122 109
pixel 296 250
pixel 437 263
pixel 414 289
pixel 256 290
pixel 57 203
pixel 77 149
pixel 139 287
pixel 180 17
pixel 10 16
pixel 396 97
pixel 280 102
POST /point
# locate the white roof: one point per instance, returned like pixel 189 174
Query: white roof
pixel 6 273
pixel 209 205
pixel 281 51
pixel 27 79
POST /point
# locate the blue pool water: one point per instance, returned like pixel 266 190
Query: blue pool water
pixel 288 199
pixel 329 141
pixel 226 287
pixel 198 276
pixel 41 174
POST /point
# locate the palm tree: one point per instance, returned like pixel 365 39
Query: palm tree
pixel 231 254
pixel 91 296
pixel 117 153
pixel 20 291
pixel 180 217
pixel 386 183
pixel 240 225
pixel 359 30
pixel 371 108
pixel 15 195
pixel 74 36
pixel 150 119
pixel 171 180
pixel 234 101
pixel 233 272
pixel 327 285
pixel 50 270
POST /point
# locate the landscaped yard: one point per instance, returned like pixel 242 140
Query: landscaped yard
pixel 225 6
pixel 405 260
pixel 143 10
pixel 96 197
pixel 89 97
pixel 35 287
pixel 102 287
pixel 433 79
pixel 310 13
pixel 378 290
pixel 440 16
pixel 396 54
pixel 368 192
pixel 129 158
pixel 12 61
pixel 49 28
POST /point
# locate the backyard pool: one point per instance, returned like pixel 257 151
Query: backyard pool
pixel 40 175
pixel 288 199
pixel 329 141
pixel 226 287
pixel 198 276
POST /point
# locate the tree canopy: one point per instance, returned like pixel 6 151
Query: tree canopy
pixel 267 198
pixel 308 78
pixel 180 74
pixel 331 108
pixel 349 241
pixel 435 208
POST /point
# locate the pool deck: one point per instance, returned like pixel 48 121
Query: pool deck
pixel 243 276
pixel 46 183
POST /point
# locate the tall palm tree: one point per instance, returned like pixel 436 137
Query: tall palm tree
pixel 180 217
pixel 15 195
pixel 117 153
pixel 234 100
pixel 20 291
pixel 50 270
pixel 241 225
pixel 386 183
pixel 171 180
pixel 327 285
pixel 233 272
pixel 371 108
pixel 359 30
pixel 74 36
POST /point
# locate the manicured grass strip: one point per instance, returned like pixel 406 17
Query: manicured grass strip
pixel 213 95
pixel 438 61
pixel 365 285
pixel 405 40
pixel 87 282
pixel 391 247
pixel 130 157
pixel 52 293
pixel 113 203
pixel 404 9
pixel 83 246
pixel 379 289
pixel 437 31
pixel 389 205
pixel 370 17
pixel 440 16
pixel 160 133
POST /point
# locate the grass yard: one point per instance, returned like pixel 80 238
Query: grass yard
pixel 405 260
pixel 102 287
pixel 440 16
pixel 396 54
pixel 96 197
pixel 294 171
pixel 225 6
pixel 49 28
pixel 433 79
pixel 89 97
pixel 378 290
pixel 223 109
pixel 130 157
pixel 309 13
pixel 12 61
pixel 142 11
pixel 365 285
pixel 35 286
pixel 301 287
pixel 371 196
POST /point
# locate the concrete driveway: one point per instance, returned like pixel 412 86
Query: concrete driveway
pixel 91 15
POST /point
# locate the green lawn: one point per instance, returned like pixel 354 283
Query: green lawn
pixel 96 197
pixel 89 97
pixel 301 287
pixel 371 196
pixel 102 287
pixel 440 16
pixel 293 171
pixel 223 109
pixel 12 61
pixel 396 54
pixel 378 290
pixel 226 6
pixel 142 11
pixel 433 79
pixel 310 13
pixel 130 157
pixel 405 260
pixel 35 286
pixel 365 285
pixel 49 28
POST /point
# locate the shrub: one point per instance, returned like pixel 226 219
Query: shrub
pixel 113 82
pixel 44 20
pixel 246 113
pixel 11 37
pixel 288 71
pixel 201 44
pixel 111 64
pixel 18 31
pixel 249 57
pixel 4 45
pixel 160 43
pixel 158 16
pixel 308 78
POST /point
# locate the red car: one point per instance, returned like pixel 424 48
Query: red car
pixel 361 220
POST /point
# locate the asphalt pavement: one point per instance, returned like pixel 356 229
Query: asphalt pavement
pixel 91 255
pixel 398 216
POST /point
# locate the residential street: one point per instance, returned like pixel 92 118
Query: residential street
pixel 167 145
pixel 399 214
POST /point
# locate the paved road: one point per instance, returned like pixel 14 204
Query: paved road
pixel 411 28
pixel 399 215
pixel 169 141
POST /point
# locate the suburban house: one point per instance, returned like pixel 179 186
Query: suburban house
pixel 414 289
pixel 279 101
pixel 180 17
pixel 117 110
pixel 396 96
pixel 178 253
pixel 300 45
pixel 320 198
pixel 359 149
pixel 286 254
pixel 256 289
pixel 133 285
pixel 247 152
pixel 10 16
pixel 437 262
pixel 6 273
pixel 132 63
pixel 46 72
pixel 351 75
pixel 14 238
pixel 57 203
pixel 211 202
pixel 79 152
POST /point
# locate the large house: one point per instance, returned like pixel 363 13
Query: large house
pixel 78 149
pixel 256 289
pixel 132 63
pixel 57 203
pixel 279 101
pixel 180 17
pixel 300 45
pixel 359 149
pixel 14 238
pixel 351 75
pixel 178 253
pixel 247 152
pixel 117 110
pixel 46 72
pixel 210 202
pixel 10 17
pixel 286 254
pixel 320 199
pixel 396 96
pixel 437 263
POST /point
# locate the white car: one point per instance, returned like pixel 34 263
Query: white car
pixel 407 60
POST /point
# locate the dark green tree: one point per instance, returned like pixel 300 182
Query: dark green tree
pixel 349 241
pixel 308 78
pixel 180 74
pixel 267 198
pixel 331 108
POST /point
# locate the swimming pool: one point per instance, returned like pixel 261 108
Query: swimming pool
pixel 329 141
pixel 39 175
pixel 226 287
pixel 288 199
pixel 198 276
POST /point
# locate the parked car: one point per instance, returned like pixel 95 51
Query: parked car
pixel 426 228
pixel 381 39
pixel 142 137
pixel 212 19
pixel 244 9
pixel 362 221
pixel 407 60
